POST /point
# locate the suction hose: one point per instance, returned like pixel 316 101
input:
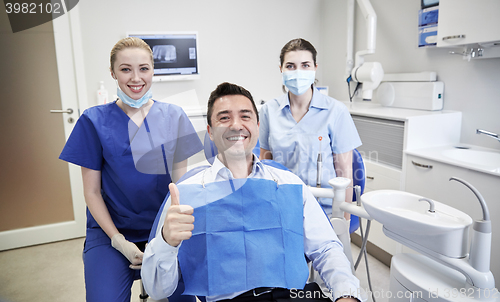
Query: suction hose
pixel 486 213
pixel 480 248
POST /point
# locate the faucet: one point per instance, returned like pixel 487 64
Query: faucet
pixel 491 134
pixel 431 203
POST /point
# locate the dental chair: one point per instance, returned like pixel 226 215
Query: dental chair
pixel 358 179
pixel 210 153
pixel 358 173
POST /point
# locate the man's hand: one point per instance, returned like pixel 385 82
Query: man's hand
pixel 179 220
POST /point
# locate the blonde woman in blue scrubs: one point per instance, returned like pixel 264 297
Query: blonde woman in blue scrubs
pixel 302 123
pixel 129 151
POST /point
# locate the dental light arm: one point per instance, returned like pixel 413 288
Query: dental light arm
pixel 370 74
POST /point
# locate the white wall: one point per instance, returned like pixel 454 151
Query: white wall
pixel 471 87
pixel 239 41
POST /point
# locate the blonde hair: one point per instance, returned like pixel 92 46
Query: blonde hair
pixel 129 42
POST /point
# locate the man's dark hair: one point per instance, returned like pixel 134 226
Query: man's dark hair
pixel 227 89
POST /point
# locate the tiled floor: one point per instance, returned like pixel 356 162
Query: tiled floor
pixel 54 272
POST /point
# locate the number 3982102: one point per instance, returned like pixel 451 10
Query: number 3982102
pixel 33 8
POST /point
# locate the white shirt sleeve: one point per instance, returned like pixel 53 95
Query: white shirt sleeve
pixel 160 268
pixel 325 250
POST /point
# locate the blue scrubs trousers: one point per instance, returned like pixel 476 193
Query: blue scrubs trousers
pixel 107 274
pixel 109 278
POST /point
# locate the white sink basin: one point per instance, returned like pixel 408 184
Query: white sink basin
pixel 408 220
pixel 489 160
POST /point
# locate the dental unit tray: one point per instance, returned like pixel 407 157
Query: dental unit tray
pixel 439 232
pixel 409 221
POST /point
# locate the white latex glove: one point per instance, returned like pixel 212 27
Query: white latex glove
pixel 128 249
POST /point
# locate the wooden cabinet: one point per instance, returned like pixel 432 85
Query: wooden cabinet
pixel 465 22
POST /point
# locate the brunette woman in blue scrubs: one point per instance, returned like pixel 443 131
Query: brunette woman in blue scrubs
pixel 129 151
pixel 303 123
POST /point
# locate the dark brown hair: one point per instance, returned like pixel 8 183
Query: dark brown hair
pixel 298 44
pixel 227 89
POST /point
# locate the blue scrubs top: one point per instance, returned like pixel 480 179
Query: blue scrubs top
pixel 134 162
pixel 296 145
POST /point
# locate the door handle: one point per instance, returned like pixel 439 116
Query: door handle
pixel 69 111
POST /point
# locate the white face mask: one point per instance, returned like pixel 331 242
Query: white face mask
pixel 298 81
pixel 130 101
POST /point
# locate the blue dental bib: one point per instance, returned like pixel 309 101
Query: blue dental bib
pixel 248 233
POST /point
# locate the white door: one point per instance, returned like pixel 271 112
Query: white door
pixel 41 197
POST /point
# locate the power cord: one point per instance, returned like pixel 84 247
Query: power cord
pixel 349 79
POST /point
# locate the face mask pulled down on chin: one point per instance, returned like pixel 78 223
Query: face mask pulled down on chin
pixel 131 102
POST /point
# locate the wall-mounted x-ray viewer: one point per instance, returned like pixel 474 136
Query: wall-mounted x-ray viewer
pixel 175 54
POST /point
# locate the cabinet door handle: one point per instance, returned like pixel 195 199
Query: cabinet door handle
pixel 454 37
pixel 370 177
pixel 422 166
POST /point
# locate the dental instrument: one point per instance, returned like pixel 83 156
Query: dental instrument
pixel 319 165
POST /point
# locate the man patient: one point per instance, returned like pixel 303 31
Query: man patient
pixel 242 230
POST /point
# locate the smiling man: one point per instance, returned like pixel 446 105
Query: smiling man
pixel 241 230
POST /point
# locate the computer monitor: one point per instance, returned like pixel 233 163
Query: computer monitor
pixel 175 54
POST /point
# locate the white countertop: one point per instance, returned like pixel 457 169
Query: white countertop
pixel 367 108
pixel 438 154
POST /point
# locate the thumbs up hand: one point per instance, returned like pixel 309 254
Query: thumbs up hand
pixel 178 221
